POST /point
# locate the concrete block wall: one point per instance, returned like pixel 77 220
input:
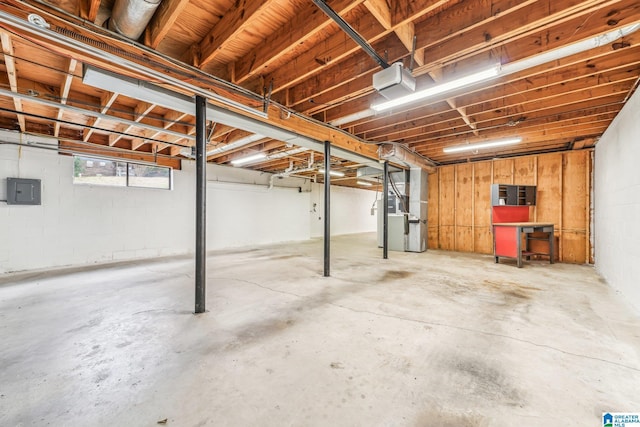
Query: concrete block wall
pixel 85 224
pixel 617 202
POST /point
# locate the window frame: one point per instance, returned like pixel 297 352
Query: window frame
pixel 127 165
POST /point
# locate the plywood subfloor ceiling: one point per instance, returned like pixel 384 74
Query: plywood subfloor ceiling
pixel 292 54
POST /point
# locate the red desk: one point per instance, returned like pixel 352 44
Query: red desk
pixel 507 239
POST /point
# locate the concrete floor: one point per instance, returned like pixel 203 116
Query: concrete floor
pixel 432 339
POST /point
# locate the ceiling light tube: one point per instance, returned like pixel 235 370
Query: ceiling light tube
pixel 510 68
pixel 148 92
pixel 248 159
pixel 480 145
pixel 568 50
pixel 332 173
pixel 438 89
pixel 364 183
pixel 352 117
pixel 236 144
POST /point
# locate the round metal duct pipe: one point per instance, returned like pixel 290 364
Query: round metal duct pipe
pixel 130 17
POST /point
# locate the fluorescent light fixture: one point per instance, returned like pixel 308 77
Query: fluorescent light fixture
pixel 480 145
pixel 438 89
pixel 248 159
pixel 283 154
pixel 352 117
pixel 504 70
pixel 148 92
pixel 236 144
pixel 332 173
pixel 364 183
pixel 568 50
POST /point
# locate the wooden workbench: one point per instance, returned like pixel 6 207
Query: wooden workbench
pixel 507 239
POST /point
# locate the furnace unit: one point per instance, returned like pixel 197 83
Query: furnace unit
pixel 407 220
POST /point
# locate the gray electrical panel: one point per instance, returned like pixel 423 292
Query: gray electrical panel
pixel 22 191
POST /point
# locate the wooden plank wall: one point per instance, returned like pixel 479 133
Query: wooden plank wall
pixel 459 209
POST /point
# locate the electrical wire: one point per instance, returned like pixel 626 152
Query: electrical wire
pixel 89 145
pixel 74 102
pixel 373 206
pixel 399 195
pixel 38 116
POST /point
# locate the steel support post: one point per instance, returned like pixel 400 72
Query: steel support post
pixel 385 213
pixel 201 203
pixel 327 208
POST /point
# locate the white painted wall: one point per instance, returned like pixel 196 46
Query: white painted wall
pixel 617 202
pixel 350 210
pixel 253 214
pixel 81 224
pixel 84 224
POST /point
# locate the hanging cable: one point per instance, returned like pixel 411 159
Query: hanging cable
pixel 399 195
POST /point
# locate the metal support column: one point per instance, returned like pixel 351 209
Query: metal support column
pixel 327 207
pixel 385 213
pixel 201 202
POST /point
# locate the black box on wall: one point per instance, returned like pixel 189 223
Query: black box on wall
pixel 22 191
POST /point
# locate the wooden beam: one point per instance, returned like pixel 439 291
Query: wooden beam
pixel 380 9
pixel 447 124
pixel 512 29
pixel 234 21
pixel 559 123
pixel 308 23
pixel 98 150
pixel 147 59
pixel 169 120
pixel 339 54
pixel 406 33
pixel 64 92
pixel 163 20
pixel 545 132
pixel 175 151
pixel 106 101
pixel 308 84
pixel 338 47
pixel 89 9
pixel 532 19
pixel 519 47
pixel 602 104
pixel 559 94
pixel 437 77
pixel 140 112
pixel 7 49
pixel 463 113
pixel 602 65
pixel 265 145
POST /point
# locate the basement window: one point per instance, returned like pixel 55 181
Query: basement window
pixel 149 176
pixel 116 173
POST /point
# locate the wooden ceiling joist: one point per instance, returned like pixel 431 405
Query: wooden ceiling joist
pixel 316 69
pixel 307 24
pixel 476 104
pixel 106 101
pixel 12 73
pixel 231 24
pixel 526 47
pixel 313 130
pixel 163 21
pixel 89 9
pixel 64 92
pixel 141 110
